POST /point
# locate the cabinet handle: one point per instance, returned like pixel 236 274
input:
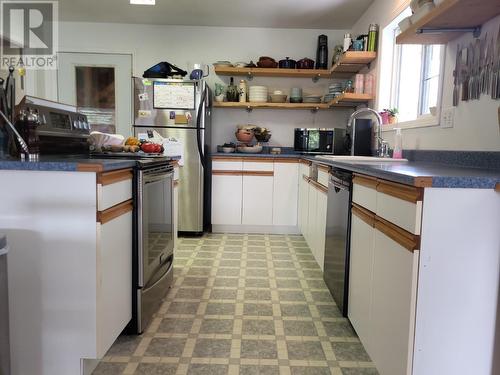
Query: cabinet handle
pixel 497 187
pixel 306 179
pixel 112 177
pixel 404 192
pixel 227 173
pixel 258 173
pixel 367 216
pixel 367 181
pixel 319 186
pixel 115 211
pixel 408 240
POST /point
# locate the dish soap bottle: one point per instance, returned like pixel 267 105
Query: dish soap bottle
pixel 398 145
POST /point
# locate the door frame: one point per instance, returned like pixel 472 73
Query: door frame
pixel 105 53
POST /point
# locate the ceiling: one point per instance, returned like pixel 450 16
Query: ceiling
pixel 296 14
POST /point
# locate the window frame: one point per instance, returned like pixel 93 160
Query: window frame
pixel 386 95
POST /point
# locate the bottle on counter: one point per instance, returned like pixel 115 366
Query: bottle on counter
pixel 372 37
pixel 347 41
pixel 398 145
pixel 243 91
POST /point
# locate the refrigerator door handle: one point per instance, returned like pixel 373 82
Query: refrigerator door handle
pixel 198 128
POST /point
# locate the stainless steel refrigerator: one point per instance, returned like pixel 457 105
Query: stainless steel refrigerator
pixel 156 101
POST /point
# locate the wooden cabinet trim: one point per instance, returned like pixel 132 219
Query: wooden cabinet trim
pixel 254 159
pixel 227 173
pixel 243 173
pixel 176 183
pixel 226 158
pixel 408 193
pixel 89 167
pixel 497 187
pixel 408 240
pixel 324 168
pixel 258 173
pixel 115 211
pixel 319 186
pixel 286 160
pixel 370 182
pixel 306 162
pixel 112 177
pixel 367 216
pixel 305 178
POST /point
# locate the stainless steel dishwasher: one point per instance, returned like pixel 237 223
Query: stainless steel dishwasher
pixel 338 227
pixel 4 309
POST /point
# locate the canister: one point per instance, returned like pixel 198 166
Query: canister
pixel 359 83
pixel 372 37
pixel 368 83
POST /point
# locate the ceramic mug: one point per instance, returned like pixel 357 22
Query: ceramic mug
pixel 357 45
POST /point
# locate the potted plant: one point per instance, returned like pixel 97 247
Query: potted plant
pixel 392 115
pixel 219 92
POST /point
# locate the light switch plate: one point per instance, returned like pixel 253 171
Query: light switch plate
pixel 447 117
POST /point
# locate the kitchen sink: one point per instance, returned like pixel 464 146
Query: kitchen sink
pixel 359 159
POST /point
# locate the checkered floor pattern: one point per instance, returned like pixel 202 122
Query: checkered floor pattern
pixel 243 304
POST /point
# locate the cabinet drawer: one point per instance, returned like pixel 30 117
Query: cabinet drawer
pixel 401 205
pixel 364 192
pixel 113 187
pixel 267 166
pixel 232 165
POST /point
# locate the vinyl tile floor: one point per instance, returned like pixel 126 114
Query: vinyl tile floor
pixel 243 304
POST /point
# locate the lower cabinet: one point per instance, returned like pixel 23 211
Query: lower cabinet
pixel 114 300
pixel 254 193
pixel 394 293
pixel 383 290
pixel 257 199
pixel 303 203
pixel 226 198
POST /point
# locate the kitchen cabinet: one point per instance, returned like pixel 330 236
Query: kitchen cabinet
pixel 394 292
pixel 83 242
pixel 176 204
pixel 254 194
pixel 257 199
pixel 309 234
pixel 303 211
pixel 361 273
pixel 227 194
pixel 321 211
pixel 285 192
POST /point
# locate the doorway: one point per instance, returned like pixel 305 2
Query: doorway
pixel 100 85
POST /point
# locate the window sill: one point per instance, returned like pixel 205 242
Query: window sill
pixel 422 122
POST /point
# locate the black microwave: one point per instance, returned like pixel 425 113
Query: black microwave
pixel 319 141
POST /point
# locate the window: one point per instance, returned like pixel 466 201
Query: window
pixel 411 77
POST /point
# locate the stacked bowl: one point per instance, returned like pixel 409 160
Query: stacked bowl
pixel 258 94
pixel 312 99
pixel 335 89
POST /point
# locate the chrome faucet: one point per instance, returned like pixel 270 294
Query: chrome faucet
pixel 382 145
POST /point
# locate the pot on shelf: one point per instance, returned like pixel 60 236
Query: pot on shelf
pixel 287 63
pixel 267 62
pixel 305 63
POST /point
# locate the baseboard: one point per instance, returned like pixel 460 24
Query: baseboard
pixel 260 229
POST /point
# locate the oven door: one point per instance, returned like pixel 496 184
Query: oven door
pixel 155 213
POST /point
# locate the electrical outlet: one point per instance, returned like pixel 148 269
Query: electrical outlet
pixel 447 117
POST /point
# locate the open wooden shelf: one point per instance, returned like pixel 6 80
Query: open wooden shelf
pixel 272 72
pixel 352 62
pixel 350 99
pixel 344 100
pixel 250 105
pixel 449 14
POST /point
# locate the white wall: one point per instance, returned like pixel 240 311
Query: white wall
pixel 184 46
pixel 476 124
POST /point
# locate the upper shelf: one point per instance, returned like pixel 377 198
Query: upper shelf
pixel 450 14
pixel 352 62
pixel 272 72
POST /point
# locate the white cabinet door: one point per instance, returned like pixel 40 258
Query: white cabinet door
pixel 360 277
pixel 285 193
pixel 311 236
pixel 303 210
pixel 393 305
pixel 321 208
pixel 226 199
pixel 114 279
pixel 257 207
pixel 176 212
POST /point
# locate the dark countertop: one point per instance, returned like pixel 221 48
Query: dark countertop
pixel 451 172
pixel 259 155
pixel 68 164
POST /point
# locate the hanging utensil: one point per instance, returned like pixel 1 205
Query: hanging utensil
pixel 482 65
pixel 470 65
pixel 495 83
pixel 477 62
pixel 487 69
